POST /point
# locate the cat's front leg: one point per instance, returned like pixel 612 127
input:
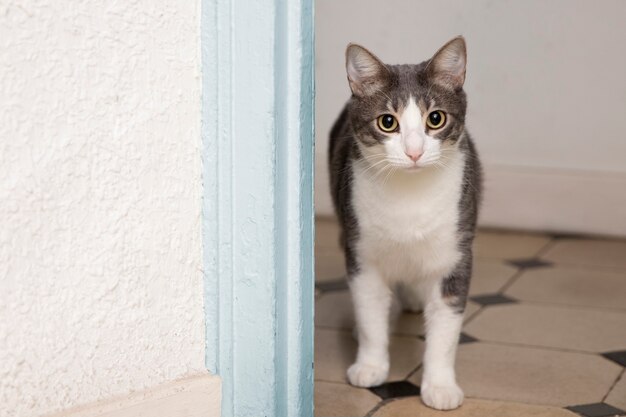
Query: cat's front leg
pixel 443 321
pixel 372 302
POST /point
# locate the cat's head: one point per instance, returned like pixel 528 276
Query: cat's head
pixel 407 115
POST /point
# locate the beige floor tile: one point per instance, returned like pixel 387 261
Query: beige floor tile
pixel 334 310
pixel 617 396
pixel 335 351
pixel 410 324
pixel 548 326
pixel 327 233
pixel 341 400
pixel 329 260
pixel 412 407
pixel 591 252
pixel 531 375
pixel 574 286
pixel 489 276
pixel 329 265
pixel 471 308
pixel 504 245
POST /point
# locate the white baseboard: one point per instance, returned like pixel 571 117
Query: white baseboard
pixel 555 200
pixel 536 199
pixel 198 396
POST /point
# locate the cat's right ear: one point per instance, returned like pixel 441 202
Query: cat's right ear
pixel 366 73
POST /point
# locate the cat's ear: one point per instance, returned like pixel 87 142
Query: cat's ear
pixel 366 73
pixel 447 66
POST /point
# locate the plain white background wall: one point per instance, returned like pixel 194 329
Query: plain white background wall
pixel 100 200
pixel 546 89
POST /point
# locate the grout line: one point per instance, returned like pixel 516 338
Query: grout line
pixel 413 372
pixel 511 281
pixel 549 244
pixel 537 347
pixel 473 316
pixel 541 251
pixel 379 406
pixel 572 306
pixel 619 377
pixel 588 267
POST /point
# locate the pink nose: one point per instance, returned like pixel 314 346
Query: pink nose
pixel 414 155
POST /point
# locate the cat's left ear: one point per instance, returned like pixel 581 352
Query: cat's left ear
pixel 447 66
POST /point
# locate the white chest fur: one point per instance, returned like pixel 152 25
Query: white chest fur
pixel 408 222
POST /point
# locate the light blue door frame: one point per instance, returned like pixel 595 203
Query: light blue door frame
pixel 257 75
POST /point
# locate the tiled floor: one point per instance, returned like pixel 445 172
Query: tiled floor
pixel 544 335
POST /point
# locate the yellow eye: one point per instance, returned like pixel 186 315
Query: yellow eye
pixel 387 123
pixel 436 119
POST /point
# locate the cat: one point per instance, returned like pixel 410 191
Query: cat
pixel 406 186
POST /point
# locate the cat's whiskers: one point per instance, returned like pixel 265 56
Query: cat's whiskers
pixel 377 170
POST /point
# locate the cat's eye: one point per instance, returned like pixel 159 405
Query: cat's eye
pixel 436 119
pixel 387 123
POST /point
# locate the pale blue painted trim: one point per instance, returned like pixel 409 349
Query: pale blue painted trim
pixel 257 72
pixel 294 206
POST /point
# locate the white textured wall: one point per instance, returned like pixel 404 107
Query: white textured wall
pixel 100 193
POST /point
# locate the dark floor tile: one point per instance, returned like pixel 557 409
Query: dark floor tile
pixel 492 299
pixel 597 410
pixel 395 390
pixel 463 338
pixel 466 338
pixel 618 357
pixel 339 284
pixel 571 235
pixel 529 263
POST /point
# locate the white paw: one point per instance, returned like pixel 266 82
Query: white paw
pixel 442 397
pixel 365 375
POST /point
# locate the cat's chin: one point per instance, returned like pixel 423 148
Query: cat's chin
pixel 413 168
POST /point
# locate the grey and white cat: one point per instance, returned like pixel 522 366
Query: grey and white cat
pixel 406 181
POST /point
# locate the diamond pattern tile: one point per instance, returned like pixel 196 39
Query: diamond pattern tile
pixel 618 357
pixel 465 338
pixel 617 396
pixel 589 252
pixel 531 375
pixel 413 407
pixel 529 263
pixel 492 299
pixel 395 390
pixel 335 351
pixel 339 400
pixel 550 344
pixel 597 410
pixel 573 286
pixel 489 276
pixel 566 328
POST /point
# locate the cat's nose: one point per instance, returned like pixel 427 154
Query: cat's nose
pixel 414 155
